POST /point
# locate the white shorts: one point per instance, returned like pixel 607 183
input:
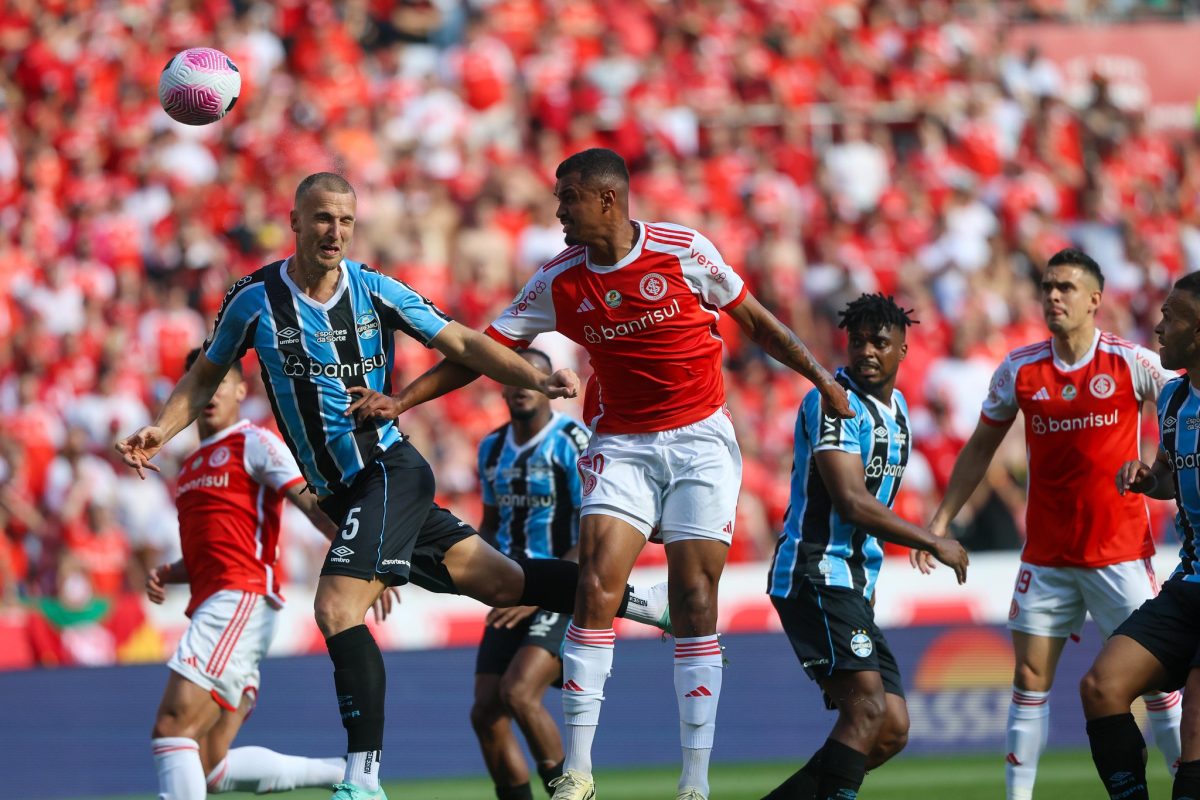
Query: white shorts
pixel 684 482
pixel 1052 601
pixel 227 638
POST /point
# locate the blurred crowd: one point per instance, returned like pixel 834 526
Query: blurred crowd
pixel 828 147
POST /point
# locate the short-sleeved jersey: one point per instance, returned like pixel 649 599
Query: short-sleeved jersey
pixel 1179 430
pixel 535 486
pixel 817 542
pixel 229 495
pixel 311 353
pixel 1081 425
pixel 648 322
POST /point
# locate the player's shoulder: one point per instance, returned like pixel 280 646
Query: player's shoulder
pixel 566 259
pixel 488 441
pixel 1171 387
pixel 248 284
pixel 571 431
pixel 670 234
pixel 1030 354
pixel 261 435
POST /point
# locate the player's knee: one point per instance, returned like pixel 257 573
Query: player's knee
pixel 1098 692
pixel 333 614
pixel 174 723
pixel 694 607
pixel 865 715
pixel 518 697
pixel 595 596
pixel 485 714
pixel 1030 678
pixel 892 739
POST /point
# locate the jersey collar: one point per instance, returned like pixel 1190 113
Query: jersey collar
pixel 629 258
pixel 221 434
pixel 1083 362
pixel 296 290
pixel 893 409
pixel 536 438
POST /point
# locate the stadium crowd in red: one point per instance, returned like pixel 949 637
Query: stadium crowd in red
pixel 827 148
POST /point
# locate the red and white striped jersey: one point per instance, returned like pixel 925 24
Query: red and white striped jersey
pixel 648 322
pixel 229 497
pixel 1081 425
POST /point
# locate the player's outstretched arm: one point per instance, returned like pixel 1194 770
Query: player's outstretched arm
pixel 784 346
pixel 485 355
pixel 306 501
pixel 1153 480
pixel 190 395
pixel 842 473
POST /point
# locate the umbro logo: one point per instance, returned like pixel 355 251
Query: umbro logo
pixel 342 551
pixel 881 433
pixel 288 335
pixel 572 686
pixel 699 691
pixel 586 305
pixel 1042 394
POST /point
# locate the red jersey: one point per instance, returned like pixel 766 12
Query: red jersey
pixel 1081 425
pixel 229 496
pixel 648 322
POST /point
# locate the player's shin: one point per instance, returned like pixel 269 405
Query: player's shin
pixel 1164 711
pixel 180 773
pixel 1187 781
pixel 1119 753
pixel 1028 729
pixel 698 673
pixel 259 770
pixel 360 680
pixel 587 662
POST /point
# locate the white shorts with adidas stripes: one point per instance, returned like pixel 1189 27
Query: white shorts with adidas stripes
pixel 1053 601
pixel 682 482
pixel 221 649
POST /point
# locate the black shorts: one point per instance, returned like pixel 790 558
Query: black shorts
pixel 498 647
pixel 1168 625
pixel 832 628
pixel 389 526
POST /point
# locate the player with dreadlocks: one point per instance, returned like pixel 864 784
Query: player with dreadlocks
pixel 844 480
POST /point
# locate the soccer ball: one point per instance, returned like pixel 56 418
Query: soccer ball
pixel 199 85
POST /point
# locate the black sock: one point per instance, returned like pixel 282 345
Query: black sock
pixel 841 771
pixel 550 773
pixel 802 785
pixel 550 583
pixel 1119 752
pixel 522 792
pixel 1187 782
pixel 361 683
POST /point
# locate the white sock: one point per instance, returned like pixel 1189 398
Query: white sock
pixel 259 770
pixel 587 661
pixel 1164 711
pixel 362 769
pixel 1028 728
pixel 180 773
pixel 698 690
pixel 648 606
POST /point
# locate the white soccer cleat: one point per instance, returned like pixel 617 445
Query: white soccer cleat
pixel 691 793
pixel 572 785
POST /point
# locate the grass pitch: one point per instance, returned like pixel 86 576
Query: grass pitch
pixel 1062 775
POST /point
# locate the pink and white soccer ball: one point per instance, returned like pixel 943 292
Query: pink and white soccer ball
pixel 199 85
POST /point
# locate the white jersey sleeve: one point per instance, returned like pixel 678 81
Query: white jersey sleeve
pixel 532 311
pixel 269 462
pixel 709 276
pixel 1000 405
pixel 1149 375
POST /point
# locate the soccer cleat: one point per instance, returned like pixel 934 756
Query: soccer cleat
pixel 691 793
pixel 572 785
pixel 348 791
pixel 659 592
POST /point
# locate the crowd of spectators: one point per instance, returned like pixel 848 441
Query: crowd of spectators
pixel 760 122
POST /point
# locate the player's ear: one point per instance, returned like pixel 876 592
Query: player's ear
pixel 903 348
pixel 294 218
pixel 240 391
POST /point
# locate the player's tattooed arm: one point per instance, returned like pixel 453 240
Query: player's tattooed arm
pixel 1153 480
pixel 782 344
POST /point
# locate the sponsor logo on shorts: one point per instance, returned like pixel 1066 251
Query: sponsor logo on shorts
pixel 1102 386
pixel 815 662
pixel 652 286
pixel 1014 610
pixel 860 644
pixel 394 562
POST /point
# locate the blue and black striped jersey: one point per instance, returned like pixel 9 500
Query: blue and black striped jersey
pixel 535 486
pixel 1179 429
pixel 816 542
pixel 310 353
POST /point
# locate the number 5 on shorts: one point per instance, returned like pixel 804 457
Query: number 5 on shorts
pixel 351 528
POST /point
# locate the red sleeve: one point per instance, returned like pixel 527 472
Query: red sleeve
pixel 995 423
pixel 502 339
pixel 737 301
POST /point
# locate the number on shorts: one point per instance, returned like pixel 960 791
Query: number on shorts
pixel 598 463
pixel 1023 581
pixel 351 529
